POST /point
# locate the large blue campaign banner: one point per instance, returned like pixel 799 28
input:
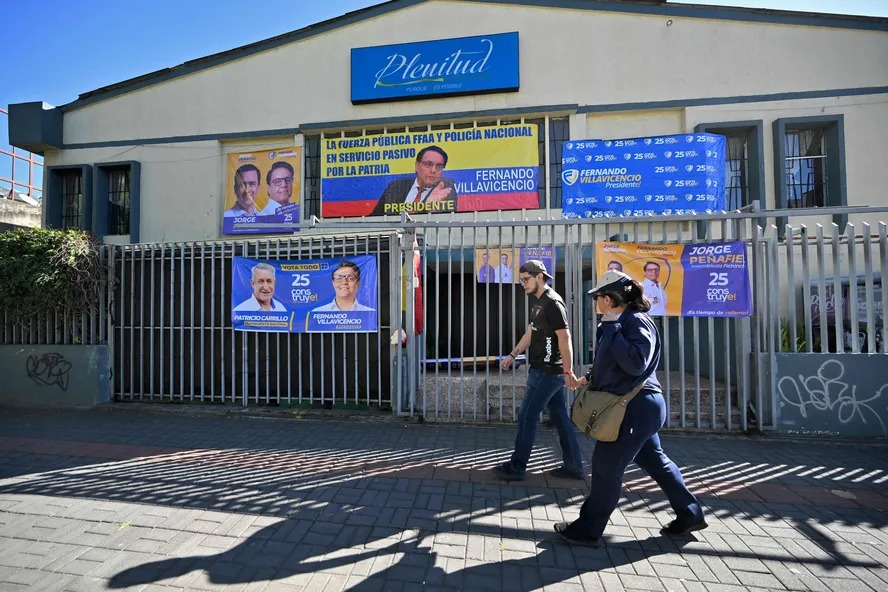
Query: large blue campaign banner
pixel 696 280
pixel 486 63
pixel 319 295
pixel 661 175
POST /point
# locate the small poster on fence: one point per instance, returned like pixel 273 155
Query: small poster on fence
pixel 696 280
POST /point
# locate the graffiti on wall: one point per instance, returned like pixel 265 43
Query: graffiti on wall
pixel 49 369
pixel 820 393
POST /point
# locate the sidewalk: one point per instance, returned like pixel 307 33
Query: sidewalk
pixel 127 499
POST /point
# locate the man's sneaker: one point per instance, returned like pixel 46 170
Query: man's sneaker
pixel 565 473
pixel 563 530
pixel 681 527
pixel 507 473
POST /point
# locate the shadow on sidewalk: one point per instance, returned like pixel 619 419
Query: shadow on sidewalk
pixel 332 485
pixel 271 554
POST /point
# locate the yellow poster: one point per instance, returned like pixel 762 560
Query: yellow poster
pixel 262 187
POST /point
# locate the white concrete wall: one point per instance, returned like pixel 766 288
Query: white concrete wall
pixel 599 59
pixel 19 214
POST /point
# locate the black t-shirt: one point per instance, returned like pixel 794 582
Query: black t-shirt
pixel 546 316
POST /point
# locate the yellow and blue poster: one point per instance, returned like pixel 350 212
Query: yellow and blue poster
pixel 318 295
pixel 454 170
pixel 501 265
pixel 695 280
pixel 262 187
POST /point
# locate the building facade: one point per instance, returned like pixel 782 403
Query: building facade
pixel 801 98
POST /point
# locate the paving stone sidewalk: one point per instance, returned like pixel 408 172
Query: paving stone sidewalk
pixel 128 499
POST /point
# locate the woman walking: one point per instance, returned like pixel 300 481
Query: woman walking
pixel 627 354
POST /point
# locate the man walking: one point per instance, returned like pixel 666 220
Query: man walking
pixel 550 357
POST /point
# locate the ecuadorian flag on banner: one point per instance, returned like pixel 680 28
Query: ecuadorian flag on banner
pixel 454 170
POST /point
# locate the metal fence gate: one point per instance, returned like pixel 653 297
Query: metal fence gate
pixel 166 316
pixel 172 337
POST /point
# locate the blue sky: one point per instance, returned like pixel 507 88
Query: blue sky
pixel 54 50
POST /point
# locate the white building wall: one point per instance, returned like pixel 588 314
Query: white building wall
pixel 594 59
pixel 600 58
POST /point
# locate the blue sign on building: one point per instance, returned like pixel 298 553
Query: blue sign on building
pixel 467 65
pixel 662 175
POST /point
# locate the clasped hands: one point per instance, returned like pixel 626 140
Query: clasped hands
pixel 573 382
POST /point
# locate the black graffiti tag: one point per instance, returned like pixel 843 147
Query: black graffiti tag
pixel 49 369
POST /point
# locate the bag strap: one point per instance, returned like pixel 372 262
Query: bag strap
pixel 631 394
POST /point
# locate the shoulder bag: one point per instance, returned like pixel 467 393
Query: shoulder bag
pixel 599 414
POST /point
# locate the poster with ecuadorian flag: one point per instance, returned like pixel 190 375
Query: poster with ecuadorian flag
pixel 418 172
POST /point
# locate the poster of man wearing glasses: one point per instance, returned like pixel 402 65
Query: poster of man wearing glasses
pixel 309 296
pixel 262 187
pixel 431 171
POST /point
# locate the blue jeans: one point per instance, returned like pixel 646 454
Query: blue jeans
pixel 639 441
pixel 545 391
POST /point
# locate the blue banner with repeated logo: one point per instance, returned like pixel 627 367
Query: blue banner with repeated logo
pixel 661 175
pixel 467 65
pixel 336 295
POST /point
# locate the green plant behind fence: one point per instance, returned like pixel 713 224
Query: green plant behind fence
pixel 42 270
pixel 786 342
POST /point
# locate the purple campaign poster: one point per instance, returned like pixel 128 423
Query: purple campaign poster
pixel 716 280
pixel 544 254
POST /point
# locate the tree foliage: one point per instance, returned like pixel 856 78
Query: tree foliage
pixel 42 270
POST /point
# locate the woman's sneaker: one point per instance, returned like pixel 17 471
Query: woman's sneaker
pixel 681 527
pixel 565 473
pixel 506 472
pixel 572 538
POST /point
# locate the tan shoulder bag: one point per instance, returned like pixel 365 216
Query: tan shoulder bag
pixel 599 414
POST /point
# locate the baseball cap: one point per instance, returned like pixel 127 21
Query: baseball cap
pixel 612 281
pixel 535 266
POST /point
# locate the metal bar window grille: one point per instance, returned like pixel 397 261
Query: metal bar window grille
pixel 119 201
pixel 806 179
pixel 72 199
pixel 312 176
pixel 559 132
pixel 736 171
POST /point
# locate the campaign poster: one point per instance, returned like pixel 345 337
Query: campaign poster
pixel 501 265
pixel 439 171
pixel 262 187
pixel 544 254
pixel 688 280
pixel 337 295
pixel 497 265
pixel 660 175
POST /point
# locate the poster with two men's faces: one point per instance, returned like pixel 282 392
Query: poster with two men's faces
pixel 262 191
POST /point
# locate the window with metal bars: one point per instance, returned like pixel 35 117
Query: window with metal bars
pixel 312 196
pixel 72 199
pixel 736 171
pixel 737 163
pixel 550 172
pixel 119 201
pixel 807 183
